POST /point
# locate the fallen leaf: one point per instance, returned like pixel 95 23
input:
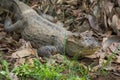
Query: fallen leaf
pixel 96 11
pixel 23 53
pixel 109 22
pixel 119 2
pixel 116 24
pixel 93 23
pixel 19 62
pixel 109 5
pixel 109 45
pixel 13 76
pixel 25 50
pixel 118 59
pixel 56 60
pixel 30 61
pixel 114 47
pixel 108 41
pixel 71 2
pixel 60 1
pixel 76 12
pixel 91 1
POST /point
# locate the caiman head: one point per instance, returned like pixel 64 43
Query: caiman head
pixel 79 45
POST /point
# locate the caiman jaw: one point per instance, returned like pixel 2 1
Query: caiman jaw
pixel 75 48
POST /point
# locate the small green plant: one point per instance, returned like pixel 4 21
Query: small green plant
pixel 81 70
pixel 64 45
pixel 38 71
pixel 108 62
pixel 5 72
pixel 69 70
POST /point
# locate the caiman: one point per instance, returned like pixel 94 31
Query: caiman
pixel 47 36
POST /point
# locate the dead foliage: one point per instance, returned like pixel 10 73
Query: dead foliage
pixel 100 16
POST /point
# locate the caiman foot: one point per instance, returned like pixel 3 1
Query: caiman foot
pixel 47 51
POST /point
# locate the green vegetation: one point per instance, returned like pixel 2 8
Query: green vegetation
pixel 67 71
pixel 108 62
pixel 5 72
pixel 37 71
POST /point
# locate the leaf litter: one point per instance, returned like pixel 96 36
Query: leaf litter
pixel 101 17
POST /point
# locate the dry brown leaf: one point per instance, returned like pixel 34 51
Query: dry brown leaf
pixel 71 2
pixel 113 47
pixel 115 20
pixel 22 53
pixel 19 62
pixel 84 27
pixel 25 50
pixel 109 22
pixel 59 11
pixel 109 45
pixel 91 1
pixel 118 59
pixel 93 23
pixel 76 12
pixel 30 61
pixel 116 24
pixel 56 60
pixel 100 54
pixel 96 11
pixel 2 34
pixel 13 76
pixel 109 5
pixel 119 2
pixel 60 1
pixel 108 41
pixel 46 10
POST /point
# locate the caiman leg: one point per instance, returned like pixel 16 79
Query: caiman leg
pixel 47 51
pixel 9 27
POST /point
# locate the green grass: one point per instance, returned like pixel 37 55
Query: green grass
pixel 5 72
pixel 108 61
pixel 38 71
pixel 68 70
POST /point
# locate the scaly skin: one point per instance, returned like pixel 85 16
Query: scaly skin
pixel 45 34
